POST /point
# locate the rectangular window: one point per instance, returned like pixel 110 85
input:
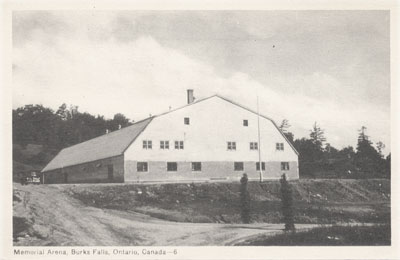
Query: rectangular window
pixel 279 146
pixel 253 146
pixel 231 146
pixel 147 144
pixel 164 144
pixel 142 166
pixel 258 166
pixel 245 122
pixel 284 166
pixel 179 145
pixel 238 166
pixel 186 120
pixel 196 166
pixel 172 166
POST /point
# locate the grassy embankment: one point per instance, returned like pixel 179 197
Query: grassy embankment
pixel 316 201
pixel 328 236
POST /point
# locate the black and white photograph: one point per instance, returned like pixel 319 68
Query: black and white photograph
pixel 161 129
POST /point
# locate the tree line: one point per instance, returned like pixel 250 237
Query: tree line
pixel 319 159
pixel 54 130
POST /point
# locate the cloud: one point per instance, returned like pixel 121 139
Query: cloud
pixel 141 76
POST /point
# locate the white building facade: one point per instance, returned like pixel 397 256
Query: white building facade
pixel 211 139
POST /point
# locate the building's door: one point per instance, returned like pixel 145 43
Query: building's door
pixel 110 172
pixel 65 177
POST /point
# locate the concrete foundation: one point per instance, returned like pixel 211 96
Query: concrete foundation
pixel 211 171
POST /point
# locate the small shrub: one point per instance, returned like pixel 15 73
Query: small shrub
pixel 244 200
pixel 287 204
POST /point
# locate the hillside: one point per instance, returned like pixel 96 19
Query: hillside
pixel 316 201
pixel 186 214
pixel 44 216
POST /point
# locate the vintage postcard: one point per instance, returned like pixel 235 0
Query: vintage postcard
pixel 186 131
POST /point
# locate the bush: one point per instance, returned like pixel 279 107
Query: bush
pixel 244 200
pixel 287 204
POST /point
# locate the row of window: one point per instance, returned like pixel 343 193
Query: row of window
pixel 147 144
pixel 196 166
pixel 179 145
pixel 253 146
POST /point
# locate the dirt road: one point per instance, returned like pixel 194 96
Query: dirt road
pixel 54 218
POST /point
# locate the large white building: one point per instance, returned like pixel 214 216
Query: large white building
pixel 210 139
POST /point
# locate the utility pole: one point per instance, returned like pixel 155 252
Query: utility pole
pixel 259 143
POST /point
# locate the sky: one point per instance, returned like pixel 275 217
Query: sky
pixel 329 67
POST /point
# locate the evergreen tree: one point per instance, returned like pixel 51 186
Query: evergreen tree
pixel 317 136
pixel 367 160
pixel 287 204
pixel 380 146
pixel 310 157
pixel 284 126
pixel 244 200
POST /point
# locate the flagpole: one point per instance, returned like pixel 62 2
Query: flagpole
pixel 259 143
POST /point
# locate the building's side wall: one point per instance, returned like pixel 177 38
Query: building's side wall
pixel 213 123
pixel 210 171
pixel 91 172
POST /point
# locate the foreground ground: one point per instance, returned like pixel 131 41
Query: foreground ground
pixel 360 235
pixel 115 214
pixel 45 216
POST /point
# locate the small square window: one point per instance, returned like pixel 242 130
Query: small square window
pixel 186 120
pixel 164 144
pixel 231 145
pixel 179 145
pixel 262 166
pixel 245 122
pixel 238 166
pixel 284 166
pixel 172 166
pixel 279 147
pixel 196 166
pixel 253 146
pixel 142 167
pixel 147 144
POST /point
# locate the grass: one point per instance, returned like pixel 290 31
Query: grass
pixel 20 225
pixel 377 235
pixel 346 201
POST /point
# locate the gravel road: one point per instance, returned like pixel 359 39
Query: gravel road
pixel 56 219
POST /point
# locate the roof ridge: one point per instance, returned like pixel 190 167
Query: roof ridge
pixel 195 102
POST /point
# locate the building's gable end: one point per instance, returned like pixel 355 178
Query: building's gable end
pixel 272 121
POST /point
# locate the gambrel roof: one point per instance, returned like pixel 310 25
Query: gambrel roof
pixel 115 143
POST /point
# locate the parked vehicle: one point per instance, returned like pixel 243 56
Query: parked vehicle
pixel 33 178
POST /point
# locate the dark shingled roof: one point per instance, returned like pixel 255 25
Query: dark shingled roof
pixel 105 146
